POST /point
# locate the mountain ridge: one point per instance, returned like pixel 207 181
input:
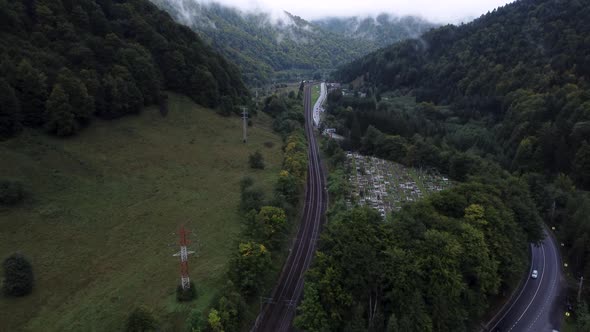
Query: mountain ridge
pixel 522 70
pixel 268 47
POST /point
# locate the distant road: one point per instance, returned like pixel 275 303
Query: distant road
pixel 278 312
pixel 317 108
pixel 537 306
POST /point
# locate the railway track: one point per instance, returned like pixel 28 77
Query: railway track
pixel 277 313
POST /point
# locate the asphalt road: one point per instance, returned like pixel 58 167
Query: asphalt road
pixel 277 313
pixel 538 306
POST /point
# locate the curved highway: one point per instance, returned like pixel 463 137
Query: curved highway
pixel 536 307
pixel 277 313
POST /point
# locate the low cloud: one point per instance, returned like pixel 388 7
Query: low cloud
pixel 448 11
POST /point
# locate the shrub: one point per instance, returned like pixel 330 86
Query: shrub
pixel 195 321
pixel 251 199
pixel 185 295
pixel 214 321
pixel 11 192
pixel 246 182
pixel 249 267
pixel 18 275
pixel 140 320
pixel 256 160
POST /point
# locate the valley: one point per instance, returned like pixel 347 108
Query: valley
pixel 415 166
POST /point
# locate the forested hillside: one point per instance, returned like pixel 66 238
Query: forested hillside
pixel 263 45
pixel 382 30
pixel 287 47
pixel 519 73
pixel 509 88
pixel 61 62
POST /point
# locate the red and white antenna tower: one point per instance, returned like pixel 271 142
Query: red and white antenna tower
pixel 184 242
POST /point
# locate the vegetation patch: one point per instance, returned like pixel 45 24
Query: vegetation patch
pixel 11 192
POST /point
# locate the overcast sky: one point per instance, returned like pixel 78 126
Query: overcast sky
pixel 440 11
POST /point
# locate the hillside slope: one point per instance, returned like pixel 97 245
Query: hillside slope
pixel 99 222
pixel 521 72
pixel 63 61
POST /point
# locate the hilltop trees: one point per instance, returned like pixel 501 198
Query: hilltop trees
pixel 508 87
pixel 30 85
pixel 104 58
pixel 60 114
pixel 10 115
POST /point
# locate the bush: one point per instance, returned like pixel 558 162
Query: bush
pixel 249 267
pixel 246 182
pixel 256 160
pixel 185 295
pixel 11 192
pixel 140 320
pixel 18 276
pixel 251 199
pixel 195 321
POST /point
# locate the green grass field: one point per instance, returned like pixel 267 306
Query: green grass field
pixel 104 206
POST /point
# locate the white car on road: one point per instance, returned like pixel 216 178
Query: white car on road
pixel 535 274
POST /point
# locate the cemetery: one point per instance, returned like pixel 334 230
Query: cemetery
pixel 386 186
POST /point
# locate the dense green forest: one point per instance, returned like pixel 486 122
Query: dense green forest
pixel 434 266
pixel 62 62
pixel 518 74
pixel 281 48
pixel 509 89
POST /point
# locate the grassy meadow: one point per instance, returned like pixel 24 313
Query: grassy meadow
pixel 99 222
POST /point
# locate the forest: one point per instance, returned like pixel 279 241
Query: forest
pixel 64 62
pixel 434 266
pixel 518 74
pixel 503 98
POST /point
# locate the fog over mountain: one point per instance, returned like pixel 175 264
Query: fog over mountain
pixel 383 29
pixel 448 11
pixel 269 45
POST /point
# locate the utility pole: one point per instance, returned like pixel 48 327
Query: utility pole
pixel 183 253
pixel 245 118
pixel 580 288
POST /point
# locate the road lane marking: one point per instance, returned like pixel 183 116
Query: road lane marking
pixel 519 294
pixel 556 272
pixel 536 291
